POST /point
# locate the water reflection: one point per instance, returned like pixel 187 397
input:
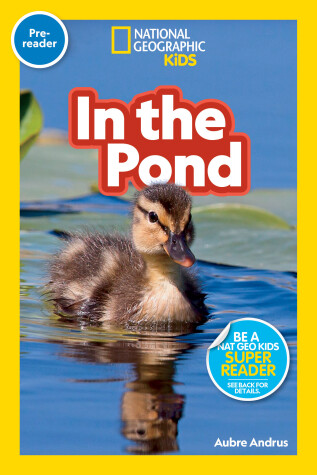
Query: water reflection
pixel 150 406
pixel 145 401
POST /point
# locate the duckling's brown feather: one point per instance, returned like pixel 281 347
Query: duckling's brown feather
pixel 171 197
pixel 86 270
pixel 108 277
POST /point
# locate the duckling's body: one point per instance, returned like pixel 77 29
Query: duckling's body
pixel 110 277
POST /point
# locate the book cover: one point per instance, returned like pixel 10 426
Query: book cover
pixel 158 236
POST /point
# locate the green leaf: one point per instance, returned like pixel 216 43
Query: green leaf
pixel 31 121
pixel 237 214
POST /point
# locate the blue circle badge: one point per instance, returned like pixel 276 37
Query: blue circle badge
pixel 249 360
pixel 39 39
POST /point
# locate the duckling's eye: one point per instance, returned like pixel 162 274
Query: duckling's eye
pixel 153 218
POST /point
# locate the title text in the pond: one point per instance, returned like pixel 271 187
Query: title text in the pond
pixel 161 137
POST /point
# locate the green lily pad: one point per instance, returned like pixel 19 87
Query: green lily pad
pixel 238 214
pixel 31 121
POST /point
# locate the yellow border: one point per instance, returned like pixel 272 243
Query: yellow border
pixel 303 12
pixel 113 29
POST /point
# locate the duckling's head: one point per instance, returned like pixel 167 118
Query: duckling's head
pixel 162 223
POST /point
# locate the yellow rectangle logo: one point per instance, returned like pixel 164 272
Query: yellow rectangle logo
pixel 113 46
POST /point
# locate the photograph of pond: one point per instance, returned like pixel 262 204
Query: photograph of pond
pixel 89 387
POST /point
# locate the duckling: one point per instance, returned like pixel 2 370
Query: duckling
pixel 141 278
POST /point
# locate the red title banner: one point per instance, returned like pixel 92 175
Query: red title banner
pixel 161 137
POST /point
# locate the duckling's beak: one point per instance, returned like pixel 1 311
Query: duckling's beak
pixel 176 247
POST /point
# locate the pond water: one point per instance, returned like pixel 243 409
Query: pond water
pixel 94 390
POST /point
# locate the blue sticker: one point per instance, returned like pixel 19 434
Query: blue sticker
pixel 249 360
pixel 39 39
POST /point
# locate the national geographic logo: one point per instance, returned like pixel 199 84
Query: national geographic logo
pixel 177 46
pixel 119 35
